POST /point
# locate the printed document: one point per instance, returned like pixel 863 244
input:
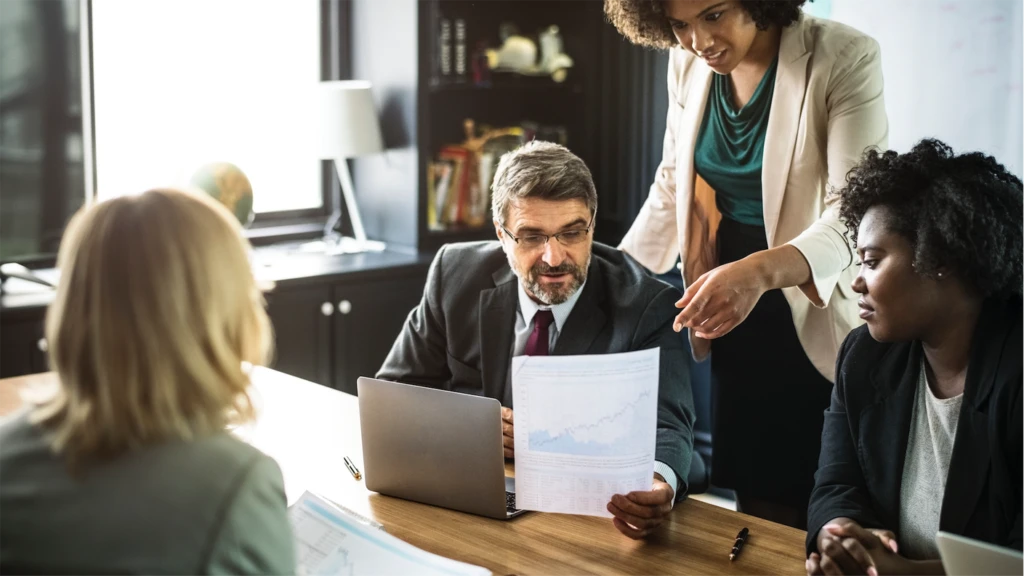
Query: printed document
pixel 585 429
pixel 331 541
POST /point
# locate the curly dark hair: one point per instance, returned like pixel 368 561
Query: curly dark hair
pixel 962 212
pixel 643 22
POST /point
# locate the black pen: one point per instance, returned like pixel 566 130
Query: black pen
pixel 352 469
pixel 741 538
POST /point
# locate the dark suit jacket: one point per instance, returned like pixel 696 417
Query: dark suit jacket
pixel 460 336
pixel 866 431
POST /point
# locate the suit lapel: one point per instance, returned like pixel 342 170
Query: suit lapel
pixel 693 100
pixel 783 124
pixel 587 317
pixel 969 467
pixel 968 470
pixel 883 454
pixel 496 330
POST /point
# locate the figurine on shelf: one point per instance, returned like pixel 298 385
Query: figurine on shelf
pixel 553 59
pixel 519 54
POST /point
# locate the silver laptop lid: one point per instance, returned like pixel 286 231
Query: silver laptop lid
pixel 965 556
pixel 433 446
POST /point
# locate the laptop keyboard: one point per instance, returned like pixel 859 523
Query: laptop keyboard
pixel 510 502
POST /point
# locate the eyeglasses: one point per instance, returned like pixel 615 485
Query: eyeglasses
pixel 566 238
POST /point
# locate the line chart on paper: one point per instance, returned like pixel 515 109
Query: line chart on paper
pixel 579 414
pixel 609 435
pixel 585 429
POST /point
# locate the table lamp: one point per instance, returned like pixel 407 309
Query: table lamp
pixel 348 128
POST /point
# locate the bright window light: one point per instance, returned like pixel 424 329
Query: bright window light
pixel 181 83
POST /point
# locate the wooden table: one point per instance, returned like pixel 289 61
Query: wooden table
pixel 308 428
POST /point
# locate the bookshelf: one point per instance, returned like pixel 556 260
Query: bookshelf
pixel 397 45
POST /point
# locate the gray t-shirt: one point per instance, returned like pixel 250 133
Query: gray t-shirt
pixel 929 448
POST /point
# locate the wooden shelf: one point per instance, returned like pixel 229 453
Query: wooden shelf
pixel 422 111
pixel 529 85
pixel 436 238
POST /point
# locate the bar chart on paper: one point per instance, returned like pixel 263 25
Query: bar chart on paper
pixel 585 429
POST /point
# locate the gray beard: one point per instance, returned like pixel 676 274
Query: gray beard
pixel 537 290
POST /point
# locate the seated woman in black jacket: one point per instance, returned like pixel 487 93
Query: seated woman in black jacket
pixel 924 430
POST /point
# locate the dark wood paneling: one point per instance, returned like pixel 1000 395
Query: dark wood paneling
pixel 634 105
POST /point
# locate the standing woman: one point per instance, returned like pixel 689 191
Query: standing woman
pixel 768 110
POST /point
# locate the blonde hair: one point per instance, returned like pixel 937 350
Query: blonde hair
pixel 156 311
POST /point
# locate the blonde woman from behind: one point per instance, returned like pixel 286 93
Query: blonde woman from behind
pixel 127 467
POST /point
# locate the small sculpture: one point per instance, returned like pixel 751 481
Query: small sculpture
pixel 519 54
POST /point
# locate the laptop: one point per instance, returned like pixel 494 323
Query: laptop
pixel 965 556
pixel 436 447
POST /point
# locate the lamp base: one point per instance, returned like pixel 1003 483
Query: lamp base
pixel 335 244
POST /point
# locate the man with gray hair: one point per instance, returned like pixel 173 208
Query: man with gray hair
pixel 573 296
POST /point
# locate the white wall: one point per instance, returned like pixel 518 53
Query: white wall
pixel 952 70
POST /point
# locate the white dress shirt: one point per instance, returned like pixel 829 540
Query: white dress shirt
pixel 525 312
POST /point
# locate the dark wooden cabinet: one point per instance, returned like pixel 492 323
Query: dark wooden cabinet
pixel 23 345
pixel 302 320
pixel 337 325
pixel 369 316
pixel 334 317
pixel 335 332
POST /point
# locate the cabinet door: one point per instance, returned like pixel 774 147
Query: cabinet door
pixel 302 319
pixel 370 315
pixel 23 347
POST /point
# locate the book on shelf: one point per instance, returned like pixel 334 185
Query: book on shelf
pixel 460 50
pixel 445 42
pixel 455 199
pixel 459 182
pixel 432 195
pixel 487 164
pixel 439 179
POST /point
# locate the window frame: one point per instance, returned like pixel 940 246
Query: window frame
pixel 267 227
pixel 46 259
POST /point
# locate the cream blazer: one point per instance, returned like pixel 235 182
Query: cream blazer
pixel 827 108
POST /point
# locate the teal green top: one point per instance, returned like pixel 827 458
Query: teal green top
pixel 730 148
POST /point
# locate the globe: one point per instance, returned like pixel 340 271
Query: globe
pixel 229 185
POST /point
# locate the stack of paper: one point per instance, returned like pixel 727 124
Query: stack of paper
pixel 332 541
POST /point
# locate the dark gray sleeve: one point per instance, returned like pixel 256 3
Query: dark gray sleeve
pixel 675 398
pixel 1015 427
pixel 419 354
pixel 255 535
pixel 839 486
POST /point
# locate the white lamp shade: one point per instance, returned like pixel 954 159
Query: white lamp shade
pixel 348 120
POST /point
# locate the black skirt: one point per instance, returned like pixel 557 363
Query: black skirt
pixel 768 399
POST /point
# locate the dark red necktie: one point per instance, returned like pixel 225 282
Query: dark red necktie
pixel 537 344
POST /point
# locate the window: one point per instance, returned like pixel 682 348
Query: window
pixel 42 156
pixel 181 83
